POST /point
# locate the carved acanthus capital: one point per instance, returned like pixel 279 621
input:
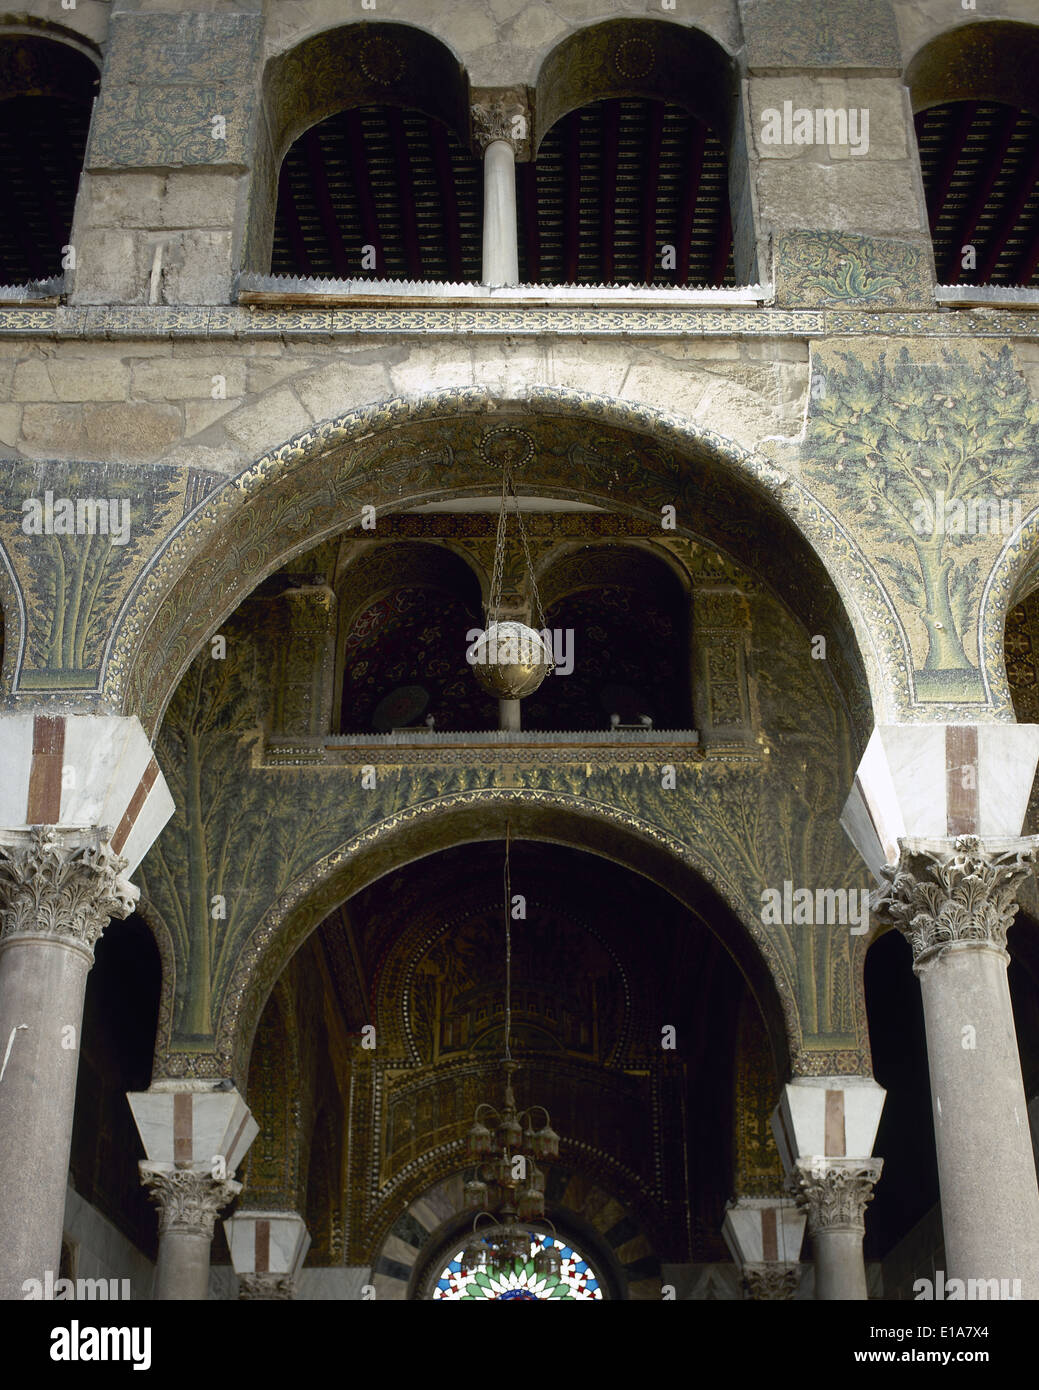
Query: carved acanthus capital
pixel 772 1281
pixel 972 898
pixel 835 1191
pixel 51 884
pixel 188 1200
pixel 502 115
pixel 266 1286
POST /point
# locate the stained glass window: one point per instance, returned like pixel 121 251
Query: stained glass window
pixel 576 1278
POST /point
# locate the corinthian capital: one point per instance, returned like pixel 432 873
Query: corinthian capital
pixel 266 1286
pixel 187 1200
pixel 501 114
pixel 835 1191
pixel 771 1282
pixel 52 884
pixel 972 897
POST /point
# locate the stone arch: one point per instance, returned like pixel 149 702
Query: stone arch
pixel 637 57
pixel 1012 578
pixel 466 817
pixel 619 1249
pixel 315 485
pixel 40 58
pixel 668 62
pixel 983 60
pixel 367 63
pixel 12 623
pixel 48 79
pixel 973 95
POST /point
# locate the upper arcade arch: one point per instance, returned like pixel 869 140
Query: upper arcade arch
pixel 974 98
pixel 582 447
pixel 352 65
pixel 671 93
pixel 48 79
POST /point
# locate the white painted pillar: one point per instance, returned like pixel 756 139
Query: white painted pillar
pixel 500 235
pixel 500 128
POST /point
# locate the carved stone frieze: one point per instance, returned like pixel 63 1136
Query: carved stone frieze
pixel 835 1191
pixel 254 1287
pixel 187 1200
pixel 772 1281
pixel 52 885
pixel 973 898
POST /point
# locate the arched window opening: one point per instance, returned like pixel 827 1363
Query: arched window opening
pixel 980 167
pixel 626 191
pixel 619 621
pixel 46 97
pixel 522 1280
pixel 977 126
pixel 406 610
pixel 379 193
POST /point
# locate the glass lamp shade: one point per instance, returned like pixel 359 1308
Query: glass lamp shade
pixel 547 1142
pixel 503 1172
pixel 476 1194
pixel 474 1253
pixel 516 1244
pixel 510 1133
pixel 547 1261
pixel 531 1203
pixel 479 1140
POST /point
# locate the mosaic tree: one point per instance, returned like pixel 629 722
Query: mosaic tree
pixel 927 457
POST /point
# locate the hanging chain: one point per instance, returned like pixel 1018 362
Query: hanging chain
pixel 508 947
pixel 498 571
pixel 494 601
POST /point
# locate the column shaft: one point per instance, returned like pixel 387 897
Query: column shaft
pixel 500 244
pixel 840 1272
pixel 42 986
pixel 182 1269
pixel 990 1200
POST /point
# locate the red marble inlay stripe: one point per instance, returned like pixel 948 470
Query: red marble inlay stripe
pixel 769 1242
pixel 961 779
pixel 48 755
pixel 133 810
pixel 834 1142
pixel 263 1247
pixel 183 1136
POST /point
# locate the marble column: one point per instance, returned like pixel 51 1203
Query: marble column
pixel 495 124
pixel 825 1128
pixel 58 889
pixel 954 900
pixel 188 1202
pixel 195 1135
pixel 834 1192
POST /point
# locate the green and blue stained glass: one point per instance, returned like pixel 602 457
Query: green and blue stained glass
pixel 520 1281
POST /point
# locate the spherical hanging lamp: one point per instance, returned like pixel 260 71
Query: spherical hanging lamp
pixel 510 659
